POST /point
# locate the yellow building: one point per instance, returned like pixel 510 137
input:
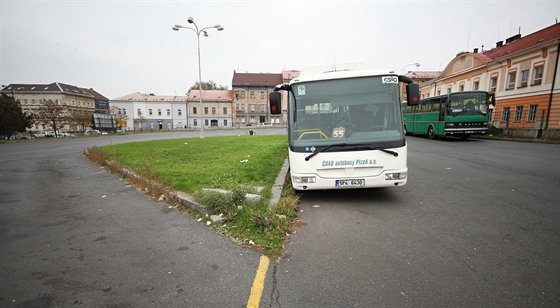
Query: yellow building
pixel 522 72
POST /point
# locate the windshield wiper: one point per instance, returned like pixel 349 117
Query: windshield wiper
pixel 367 147
pixel 324 149
pixel 353 148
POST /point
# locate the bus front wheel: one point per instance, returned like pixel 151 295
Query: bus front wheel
pixel 431 133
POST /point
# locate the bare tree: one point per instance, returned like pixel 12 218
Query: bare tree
pixel 80 118
pixel 51 114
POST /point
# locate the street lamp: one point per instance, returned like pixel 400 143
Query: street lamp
pixel 190 20
pixel 417 65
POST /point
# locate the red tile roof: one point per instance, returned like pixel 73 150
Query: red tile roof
pixel 540 37
pixel 211 95
pixel 256 79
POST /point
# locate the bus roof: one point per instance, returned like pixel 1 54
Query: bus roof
pixel 341 74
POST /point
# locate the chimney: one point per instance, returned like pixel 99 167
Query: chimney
pixel 475 50
pixel 513 38
pixel 499 43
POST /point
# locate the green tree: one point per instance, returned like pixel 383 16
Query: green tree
pixel 12 118
pixel 51 114
pixel 208 85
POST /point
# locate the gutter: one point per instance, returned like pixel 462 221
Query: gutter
pixel 553 82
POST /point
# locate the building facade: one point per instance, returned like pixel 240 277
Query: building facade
pixel 74 101
pixel 216 109
pixel 250 98
pixel 152 112
pixel 522 72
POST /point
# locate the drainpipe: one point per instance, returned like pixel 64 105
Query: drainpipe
pixel 553 82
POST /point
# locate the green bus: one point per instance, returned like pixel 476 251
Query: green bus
pixel 459 114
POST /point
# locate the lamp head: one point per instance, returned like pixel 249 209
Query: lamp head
pixel 190 20
pixel 205 33
pixel 220 28
pixel 176 27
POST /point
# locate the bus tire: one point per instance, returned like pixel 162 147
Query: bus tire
pixel 431 133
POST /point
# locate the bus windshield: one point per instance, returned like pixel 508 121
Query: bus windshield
pixel 361 110
pixel 467 103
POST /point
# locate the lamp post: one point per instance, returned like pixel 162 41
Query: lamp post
pixel 417 65
pixel 190 20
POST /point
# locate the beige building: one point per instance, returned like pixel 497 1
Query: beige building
pixel 522 72
pixel 216 109
pixel 73 100
pixel 250 98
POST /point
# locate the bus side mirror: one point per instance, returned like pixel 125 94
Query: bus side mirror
pixel 412 94
pixel 275 101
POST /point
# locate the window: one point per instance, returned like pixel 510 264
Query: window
pixel 236 94
pixel 532 116
pixel 475 85
pixel 505 114
pixel 150 112
pixel 179 112
pixel 252 94
pixel 159 112
pixel 213 110
pixel 194 112
pixel 511 81
pixel 168 112
pixel 518 113
pixel 524 78
pixel 205 110
pixel 205 122
pixel 263 108
pixel 195 122
pixel 461 88
pixel 225 123
pixel 538 75
pixel 252 108
pixel 242 94
pixel 448 90
pixel 139 112
pixel 225 110
pixel 493 84
pixel 262 94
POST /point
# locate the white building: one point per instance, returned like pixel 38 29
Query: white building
pixel 152 112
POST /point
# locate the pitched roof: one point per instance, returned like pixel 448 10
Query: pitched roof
pixel 211 95
pixel 150 97
pixel 95 94
pixel 256 79
pixel 518 43
pixel 423 74
pixel 55 87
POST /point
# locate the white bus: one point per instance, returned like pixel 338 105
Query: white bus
pixel 345 129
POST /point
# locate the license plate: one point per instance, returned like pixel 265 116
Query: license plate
pixel 350 183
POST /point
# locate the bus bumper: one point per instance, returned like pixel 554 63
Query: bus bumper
pixel 387 178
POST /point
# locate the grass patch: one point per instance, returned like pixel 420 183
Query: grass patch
pixel 238 164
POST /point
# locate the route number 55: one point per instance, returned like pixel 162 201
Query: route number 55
pixel 338 132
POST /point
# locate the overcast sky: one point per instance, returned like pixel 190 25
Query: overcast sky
pixel 120 47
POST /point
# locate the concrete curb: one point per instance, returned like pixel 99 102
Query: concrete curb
pixel 188 200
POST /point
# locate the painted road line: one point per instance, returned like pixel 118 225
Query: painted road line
pixel 258 283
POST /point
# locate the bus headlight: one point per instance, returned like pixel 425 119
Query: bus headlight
pixel 395 176
pixel 303 179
